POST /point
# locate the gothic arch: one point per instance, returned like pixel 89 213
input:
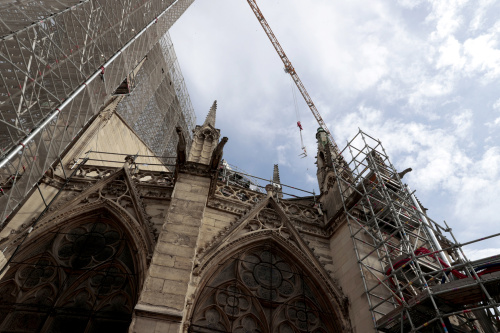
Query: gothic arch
pixel 262 285
pixel 81 274
pixel 141 243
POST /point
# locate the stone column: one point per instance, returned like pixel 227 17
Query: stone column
pixel 162 301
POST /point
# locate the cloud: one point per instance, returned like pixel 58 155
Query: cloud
pixel 451 54
pixel 282 156
pixel 475 254
pixel 496 105
pixel 446 14
pixel 483 56
pixel 422 76
pixel 434 154
pixel 493 123
pixel 463 123
pixel 441 163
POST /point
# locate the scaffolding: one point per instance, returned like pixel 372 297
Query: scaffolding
pixel 60 63
pixel 159 102
pixel 233 175
pixel 416 275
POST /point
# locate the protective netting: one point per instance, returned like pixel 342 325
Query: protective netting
pixel 50 84
pixel 159 102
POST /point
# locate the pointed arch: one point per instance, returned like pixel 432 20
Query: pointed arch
pixel 266 220
pixel 280 289
pixel 141 242
pixel 82 272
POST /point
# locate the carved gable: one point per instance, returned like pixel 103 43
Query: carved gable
pixel 266 226
pixel 118 193
pixel 265 219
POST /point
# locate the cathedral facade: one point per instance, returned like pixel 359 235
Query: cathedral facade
pixel 115 216
pixel 131 249
pixel 142 247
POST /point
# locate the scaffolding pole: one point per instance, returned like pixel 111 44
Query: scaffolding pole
pixel 415 278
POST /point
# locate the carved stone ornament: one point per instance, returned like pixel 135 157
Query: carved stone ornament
pixel 330 182
pixel 260 273
pixel 237 200
pixel 266 221
pixel 238 194
pixel 81 275
pixel 194 168
pixel 116 193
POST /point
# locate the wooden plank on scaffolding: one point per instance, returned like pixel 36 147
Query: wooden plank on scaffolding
pixel 459 295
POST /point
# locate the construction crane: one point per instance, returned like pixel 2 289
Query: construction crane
pixel 291 70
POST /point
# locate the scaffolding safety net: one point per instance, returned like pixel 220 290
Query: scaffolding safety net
pixel 60 63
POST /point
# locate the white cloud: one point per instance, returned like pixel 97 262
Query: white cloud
pixel 411 4
pixel 479 19
pixel 493 123
pixel 463 123
pixel 474 254
pixel 451 54
pixel 446 14
pixel 311 179
pixel 282 155
pixel 440 161
pixel 483 55
pixel 496 105
pixel 422 76
pixel 434 154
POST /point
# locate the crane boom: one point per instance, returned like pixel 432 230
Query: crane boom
pixel 291 70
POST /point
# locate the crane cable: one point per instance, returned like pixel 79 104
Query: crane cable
pixel 297 114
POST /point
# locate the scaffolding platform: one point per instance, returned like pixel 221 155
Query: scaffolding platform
pixel 455 296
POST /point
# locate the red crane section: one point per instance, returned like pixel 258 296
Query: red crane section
pixel 291 70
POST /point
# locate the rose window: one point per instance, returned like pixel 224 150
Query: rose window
pixel 270 276
pixel 302 315
pixel 261 290
pixel 91 243
pixel 31 276
pixel 79 278
pixel 233 301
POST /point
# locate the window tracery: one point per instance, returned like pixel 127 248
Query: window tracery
pixel 262 290
pixel 79 278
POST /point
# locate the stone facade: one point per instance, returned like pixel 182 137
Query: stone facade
pixel 156 251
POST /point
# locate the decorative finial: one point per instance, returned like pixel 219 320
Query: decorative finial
pixel 210 120
pixel 277 182
pixel 276 175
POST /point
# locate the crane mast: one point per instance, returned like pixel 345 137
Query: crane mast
pixel 291 70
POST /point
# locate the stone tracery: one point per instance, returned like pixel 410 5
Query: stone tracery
pixel 79 278
pixel 261 290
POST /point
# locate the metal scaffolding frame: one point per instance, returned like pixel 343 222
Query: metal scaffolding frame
pixel 60 62
pixel 159 102
pixel 416 278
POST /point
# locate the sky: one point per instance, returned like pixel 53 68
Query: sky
pixel 421 76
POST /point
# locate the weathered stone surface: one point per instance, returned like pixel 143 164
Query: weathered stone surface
pixel 163 260
pixel 174 287
pixel 154 284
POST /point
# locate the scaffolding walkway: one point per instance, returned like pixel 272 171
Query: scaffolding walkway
pixel 416 275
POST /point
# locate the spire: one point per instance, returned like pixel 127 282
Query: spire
pixel 210 120
pixel 276 175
